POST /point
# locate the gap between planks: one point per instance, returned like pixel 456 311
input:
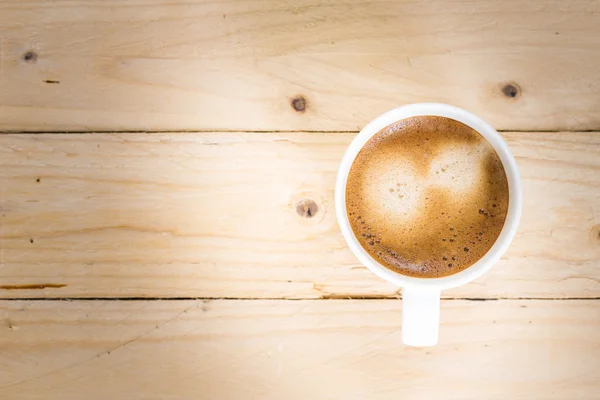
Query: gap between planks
pixel 363 298
pixel 99 131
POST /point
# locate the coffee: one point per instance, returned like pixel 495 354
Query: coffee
pixel 427 196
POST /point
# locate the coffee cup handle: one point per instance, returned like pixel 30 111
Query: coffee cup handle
pixel 420 316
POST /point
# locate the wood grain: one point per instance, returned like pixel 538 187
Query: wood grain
pixel 214 215
pixel 296 350
pixel 221 65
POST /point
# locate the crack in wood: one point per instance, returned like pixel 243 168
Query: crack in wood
pixel 33 286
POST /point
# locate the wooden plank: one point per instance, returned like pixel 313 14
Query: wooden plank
pixel 221 65
pixel 214 215
pixel 296 350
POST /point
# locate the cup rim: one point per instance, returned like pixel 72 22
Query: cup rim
pixel 514 195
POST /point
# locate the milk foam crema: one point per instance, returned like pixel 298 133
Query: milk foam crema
pixel 427 196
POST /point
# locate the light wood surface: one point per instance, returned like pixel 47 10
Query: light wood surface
pixel 320 349
pixel 221 65
pixel 203 260
pixel 214 215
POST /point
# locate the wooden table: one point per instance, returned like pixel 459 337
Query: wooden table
pixel 154 158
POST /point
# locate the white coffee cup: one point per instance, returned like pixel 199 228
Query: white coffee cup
pixel 421 296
